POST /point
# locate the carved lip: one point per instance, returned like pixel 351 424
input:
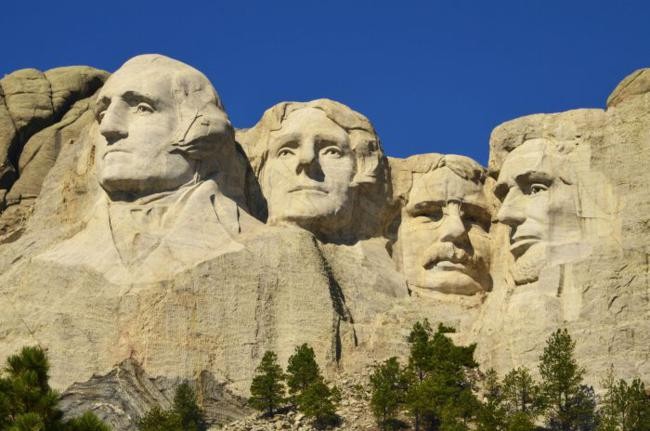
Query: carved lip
pixel 448 265
pixel 520 244
pixel 115 150
pixel 308 188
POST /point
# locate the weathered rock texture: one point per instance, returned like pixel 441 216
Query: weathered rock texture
pixel 39 113
pixel 159 236
pixel 127 393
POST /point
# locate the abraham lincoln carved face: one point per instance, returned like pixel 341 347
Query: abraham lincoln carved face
pixel 538 192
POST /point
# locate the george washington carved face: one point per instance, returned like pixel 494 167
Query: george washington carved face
pixel 160 124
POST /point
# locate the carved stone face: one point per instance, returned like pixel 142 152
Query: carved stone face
pixel 443 234
pixel 307 177
pixel 539 205
pixel 137 117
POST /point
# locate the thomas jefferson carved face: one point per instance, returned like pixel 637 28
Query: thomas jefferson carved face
pixel 309 171
pixel 443 235
pixel 538 203
pixel 137 116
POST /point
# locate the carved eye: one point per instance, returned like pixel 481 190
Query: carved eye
pixel 101 115
pixel 501 191
pixel 473 220
pixel 537 188
pixel 284 152
pixel 435 215
pixel 429 215
pixel 144 108
pixel 332 151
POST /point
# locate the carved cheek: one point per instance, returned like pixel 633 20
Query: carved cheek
pixel 338 173
pixel 538 208
pixel 480 242
pixel 279 173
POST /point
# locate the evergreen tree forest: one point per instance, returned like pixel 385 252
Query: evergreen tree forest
pixel 438 387
pixel 437 391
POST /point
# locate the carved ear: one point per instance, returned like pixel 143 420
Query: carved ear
pixel 201 116
pixel 368 157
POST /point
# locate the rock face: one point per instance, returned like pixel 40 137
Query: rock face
pixel 146 242
pixel 39 113
pixel 126 393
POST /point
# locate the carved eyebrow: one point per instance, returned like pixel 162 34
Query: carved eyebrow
pixel 130 97
pixel 534 177
pixel 327 139
pixel 476 210
pixel 101 105
pixel 288 140
pixel 133 98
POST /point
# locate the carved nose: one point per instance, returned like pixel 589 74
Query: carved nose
pixel 452 228
pixel 113 126
pixel 306 159
pixel 511 212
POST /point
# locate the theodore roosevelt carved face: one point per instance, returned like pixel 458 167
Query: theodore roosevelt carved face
pixel 443 234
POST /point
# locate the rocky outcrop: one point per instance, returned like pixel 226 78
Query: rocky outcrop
pixel 125 394
pixel 39 113
pixel 158 234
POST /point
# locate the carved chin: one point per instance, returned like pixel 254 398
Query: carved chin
pixel 315 214
pixel 317 223
pixel 527 267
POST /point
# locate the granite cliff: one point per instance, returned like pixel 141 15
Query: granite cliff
pixel 139 225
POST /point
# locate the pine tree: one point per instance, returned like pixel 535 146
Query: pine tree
pixel 491 416
pixel 86 422
pixel 267 388
pixel 420 350
pixel 31 400
pixel 158 419
pixel 187 408
pixel 308 389
pixel 419 367
pixel 522 401
pixel 302 370
pixel 185 414
pixel 389 386
pixel 319 402
pixel 624 407
pixel 439 395
pixel 28 403
pixel 5 403
pixel 569 405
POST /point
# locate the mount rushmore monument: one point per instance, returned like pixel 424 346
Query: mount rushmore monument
pixel 138 224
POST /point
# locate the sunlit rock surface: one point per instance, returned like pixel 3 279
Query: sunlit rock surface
pixel 138 225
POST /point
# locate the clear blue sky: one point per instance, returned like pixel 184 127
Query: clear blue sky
pixel 432 76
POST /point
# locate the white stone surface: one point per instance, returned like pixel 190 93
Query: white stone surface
pixel 181 254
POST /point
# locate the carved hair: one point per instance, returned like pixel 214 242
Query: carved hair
pixel 564 133
pixel 462 166
pixel 363 139
pixel 405 170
